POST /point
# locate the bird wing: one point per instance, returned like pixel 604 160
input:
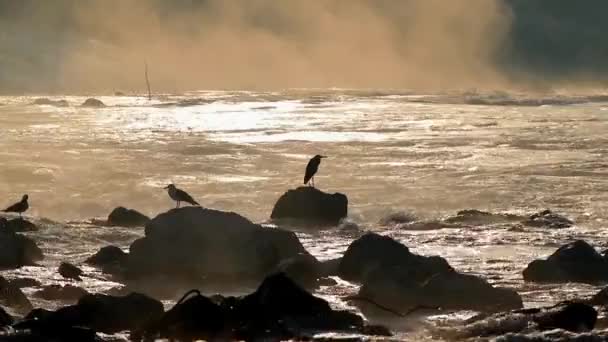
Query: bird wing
pixel 186 198
pixel 13 208
pixel 311 169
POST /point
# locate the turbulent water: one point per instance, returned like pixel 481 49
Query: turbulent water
pixel 425 155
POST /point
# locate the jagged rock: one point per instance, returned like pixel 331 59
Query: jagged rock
pixel 110 259
pixel 49 102
pixel 59 292
pixel 194 242
pixel 12 296
pixel 573 262
pixel 24 282
pixel 310 205
pixel 548 219
pixel 17 250
pixel 19 225
pixel 124 217
pixel 91 102
pixel 373 250
pixel 70 271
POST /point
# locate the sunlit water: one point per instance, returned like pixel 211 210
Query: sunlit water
pixel 428 155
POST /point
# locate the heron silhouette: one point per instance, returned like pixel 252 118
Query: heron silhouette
pixel 179 195
pixel 19 207
pixel 312 168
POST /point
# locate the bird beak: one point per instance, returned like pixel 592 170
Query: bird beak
pixel 323 156
pixel 167 187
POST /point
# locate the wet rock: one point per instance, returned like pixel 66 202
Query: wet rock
pixel 373 250
pixel 548 219
pixel 49 102
pixel 600 298
pixel 68 293
pixel 397 219
pixel 573 262
pixel 17 250
pixel 92 102
pixel 13 297
pixel 311 206
pixel 330 268
pixel 110 259
pixel 119 93
pixel 69 271
pixel 124 217
pixel 19 225
pixel 25 282
pixel 5 318
pixel 304 270
pixel 478 217
pixel 193 242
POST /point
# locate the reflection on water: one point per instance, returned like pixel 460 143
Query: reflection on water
pixel 238 151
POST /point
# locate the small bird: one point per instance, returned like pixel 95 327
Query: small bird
pixel 312 168
pixel 70 271
pixel 19 207
pixel 179 195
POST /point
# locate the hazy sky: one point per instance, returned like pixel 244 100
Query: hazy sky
pixel 101 45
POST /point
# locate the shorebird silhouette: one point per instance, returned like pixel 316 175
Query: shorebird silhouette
pixel 312 168
pixel 179 195
pixel 19 207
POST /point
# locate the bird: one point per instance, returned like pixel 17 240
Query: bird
pixel 70 271
pixel 179 195
pixel 19 207
pixel 312 168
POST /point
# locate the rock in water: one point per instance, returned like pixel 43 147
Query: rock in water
pixel 573 262
pixel 70 271
pixel 67 293
pixel 109 258
pixel 124 217
pixel 17 250
pixel 5 318
pixel 91 102
pixel 312 206
pixel 49 102
pixel 19 225
pixel 548 219
pixel 12 296
pixel 193 242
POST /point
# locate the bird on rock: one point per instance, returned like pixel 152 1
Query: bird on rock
pixel 19 207
pixel 179 195
pixel 312 168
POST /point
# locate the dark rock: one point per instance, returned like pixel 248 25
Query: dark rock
pixel 70 271
pixel 303 269
pixel 478 217
pixel 25 282
pixel 110 259
pixel 5 318
pixel 119 93
pixel 17 250
pixel 220 246
pixel 19 225
pixel 398 218
pixel 548 219
pixel 573 262
pixel 67 293
pixel 600 298
pixel 49 102
pixel 575 317
pixel 312 206
pixel 91 102
pixel 12 296
pixel 127 218
pixel 372 250
pixel 330 268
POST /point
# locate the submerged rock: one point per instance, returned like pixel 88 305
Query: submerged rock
pixel 25 282
pixel 49 102
pixel 478 217
pixel 196 243
pixel 17 250
pixel 311 206
pixel 69 271
pixel 124 217
pixel 548 219
pixel 12 296
pixel 92 102
pixel 67 293
pixel 573 262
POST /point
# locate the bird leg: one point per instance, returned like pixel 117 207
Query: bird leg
pixel 313 181
pixel 177 205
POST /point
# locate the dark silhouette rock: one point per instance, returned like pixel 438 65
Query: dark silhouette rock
pixel 68 293
pixel 17 250
pixel 94 103
pixel 311 206
pixel 13 297
pixel 5 318
pixel 600 298
pixel 127 218
pixel 25 282
pixel 19 225
pixel 304 270
pixel 573 262
pixel 194 242
pixel 49 102
pixel 478 217
pixel 119 93
pixel 110 259
pixel 372 250
pixel 548 219
pixel 70 271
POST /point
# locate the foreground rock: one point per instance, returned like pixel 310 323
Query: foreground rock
pixel 277 310
pixel 568 316
pixel 12 296
pixel 312 206
pixel 124 217
pixel 193 244
pixel 17 250
pixel 91 102
pixel 19 225
pixel 574 262
pixel 69 271
pixel 396 280
pixel 66 293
